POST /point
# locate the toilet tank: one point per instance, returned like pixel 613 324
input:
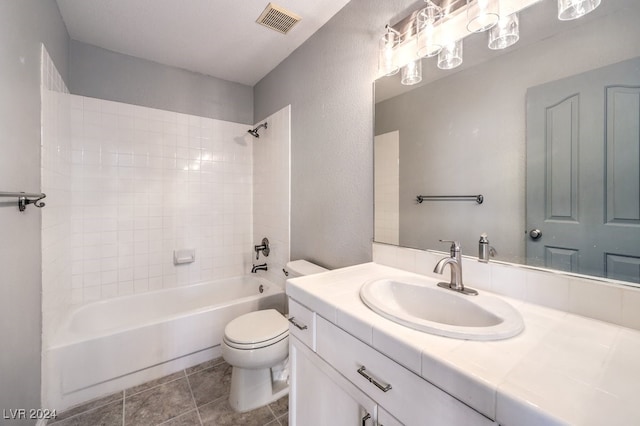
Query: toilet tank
pixel 300 268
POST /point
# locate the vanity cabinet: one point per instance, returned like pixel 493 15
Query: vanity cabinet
pixel 320 396
pixel 337 379
pixel 302 324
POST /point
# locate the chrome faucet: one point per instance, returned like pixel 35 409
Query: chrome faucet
pixel 257 268
pixel 455 264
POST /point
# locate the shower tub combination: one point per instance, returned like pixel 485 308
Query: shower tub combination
pixel 110 345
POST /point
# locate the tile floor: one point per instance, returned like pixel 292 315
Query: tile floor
pixel 195 396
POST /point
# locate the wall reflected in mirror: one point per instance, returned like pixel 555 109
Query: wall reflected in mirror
pixel 470 132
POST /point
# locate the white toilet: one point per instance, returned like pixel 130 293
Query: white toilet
pixel 256 345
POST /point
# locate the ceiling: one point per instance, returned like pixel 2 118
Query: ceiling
pixel 219 38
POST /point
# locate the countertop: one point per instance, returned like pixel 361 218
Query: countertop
pixel 562 369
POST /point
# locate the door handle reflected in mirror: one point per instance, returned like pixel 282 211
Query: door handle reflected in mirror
pixel 535 234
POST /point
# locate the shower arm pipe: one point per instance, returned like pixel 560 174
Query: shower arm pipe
pixel 254 131
pixel 25 198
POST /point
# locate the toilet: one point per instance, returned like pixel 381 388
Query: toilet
pixel 256 345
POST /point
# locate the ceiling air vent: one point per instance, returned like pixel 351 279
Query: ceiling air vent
pixel 278 19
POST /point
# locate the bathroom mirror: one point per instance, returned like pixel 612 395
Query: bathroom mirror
pixel 546 131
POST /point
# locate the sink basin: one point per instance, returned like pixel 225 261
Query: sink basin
pixel 420 304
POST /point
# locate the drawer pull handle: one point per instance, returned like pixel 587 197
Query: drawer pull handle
pixel 301 327
pixel 382 387
pixel 365 418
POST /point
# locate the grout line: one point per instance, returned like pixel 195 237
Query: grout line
pixel 193 398
pixel 158 385
pixel 282 417
pixel 123 405
pixel 204 368
pixel 85 411
pixel 176 417
pixel 273 413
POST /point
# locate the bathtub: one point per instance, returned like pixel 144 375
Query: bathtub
pixel 109 345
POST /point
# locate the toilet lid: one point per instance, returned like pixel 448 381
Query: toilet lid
pixel 256 327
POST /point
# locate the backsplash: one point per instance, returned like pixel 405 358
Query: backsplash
pixel 605 301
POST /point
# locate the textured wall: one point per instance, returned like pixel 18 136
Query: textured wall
pixel 328 82
pixel 24 25
pixel 99 73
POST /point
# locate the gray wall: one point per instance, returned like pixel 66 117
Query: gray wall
pixel 24 24
pixel 328 82
pixel 103 74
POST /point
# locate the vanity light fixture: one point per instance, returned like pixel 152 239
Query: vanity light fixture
pixel 387 59
pixel 412 73
pixel 505 33
pixel 450 56
pixel 428 44
pixel 574 9
pixel 482 15
pixel 424 32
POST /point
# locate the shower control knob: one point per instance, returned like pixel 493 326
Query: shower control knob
pixel 535 234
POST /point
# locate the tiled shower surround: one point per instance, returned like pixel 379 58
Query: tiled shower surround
pixel 146 182
pixel 127 185
pixel 56 183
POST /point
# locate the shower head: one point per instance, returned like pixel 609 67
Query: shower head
pixel 254 132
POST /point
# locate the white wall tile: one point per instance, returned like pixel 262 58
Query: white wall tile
pixel 270 205
pixel 631 308
pixel 509 281
pixel 60 288
pixel 132 204
pixel 596 300
pixel 547 289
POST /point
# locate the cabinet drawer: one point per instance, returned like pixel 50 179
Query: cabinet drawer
pixel 302 323
pixel 408 397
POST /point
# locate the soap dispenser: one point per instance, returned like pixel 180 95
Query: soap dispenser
pixel 483 248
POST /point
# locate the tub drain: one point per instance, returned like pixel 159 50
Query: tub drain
pixel 261 288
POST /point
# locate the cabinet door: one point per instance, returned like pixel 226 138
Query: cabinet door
pixel 320 396
pixel 386 419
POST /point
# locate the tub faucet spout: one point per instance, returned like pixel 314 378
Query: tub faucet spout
pixel 257 268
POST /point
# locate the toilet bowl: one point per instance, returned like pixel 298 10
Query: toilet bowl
pixel 256 345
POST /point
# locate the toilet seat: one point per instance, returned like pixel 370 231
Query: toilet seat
pixel 256 330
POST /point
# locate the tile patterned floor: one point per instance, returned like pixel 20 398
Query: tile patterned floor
pixel 197 396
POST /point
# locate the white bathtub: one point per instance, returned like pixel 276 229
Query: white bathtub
pixel 109 345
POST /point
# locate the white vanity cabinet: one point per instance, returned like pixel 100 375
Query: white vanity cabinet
pixel 321 396
pixel 337 379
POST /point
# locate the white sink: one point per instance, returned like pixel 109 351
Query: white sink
pixel 420 304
